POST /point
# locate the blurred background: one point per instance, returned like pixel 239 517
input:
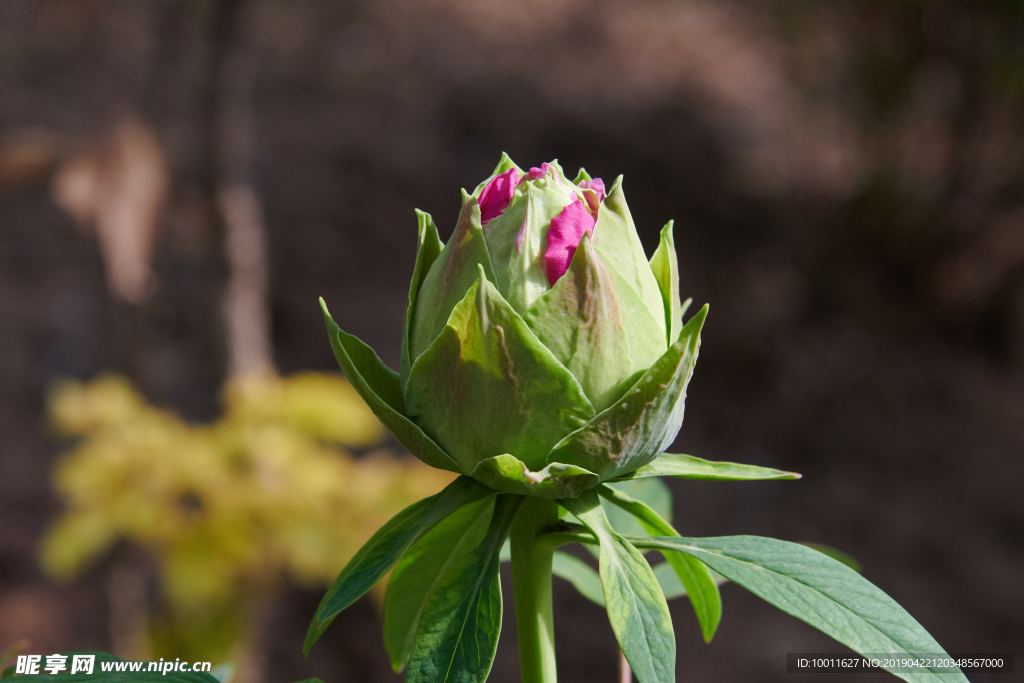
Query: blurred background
pixel 180 180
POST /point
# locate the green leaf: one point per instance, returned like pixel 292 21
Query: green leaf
pixel 819 590
pixel 380 387
pixel 689 467
pixel 487 387
pixel 671 586
pixel 837 555
pixel 618 245
pixel 577 572
pixel 386 546
pixel 652 491
pixel 645 420
pixel 125 675
pixel 636 607
pixel 700 585
pixel 507 473
pixel 430 247
pixel 460 624
pixel 8 672
pixel 597 327
pixel 420 569
pixel 449 278
pixel 665 266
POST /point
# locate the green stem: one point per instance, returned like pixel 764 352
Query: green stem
pixel 531 584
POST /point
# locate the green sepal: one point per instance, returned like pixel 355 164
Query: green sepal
pixel 636 606
pixel 380 387
pixel 557 480
pixel 581 176
pixel 645 421
pixel 616 241
pixel 597 327
pixel 487 386
pixel 429 248
pixel 450 276
pixel 385 548
pixel 414 577
pixel 820 591
pixel 459 628
pixel 682 466
pixel 665 266
pixel 700 585
pixel 517 240
pixel 504 164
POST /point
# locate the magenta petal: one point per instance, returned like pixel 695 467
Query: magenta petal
pixel 564 236
pixel 497 194
pixel 596 185
pixel 535 172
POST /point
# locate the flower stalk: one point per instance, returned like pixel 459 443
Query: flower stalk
pixel 531 585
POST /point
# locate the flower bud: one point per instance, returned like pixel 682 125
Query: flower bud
pixel 542 352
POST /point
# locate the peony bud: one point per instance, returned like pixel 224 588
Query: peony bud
pixel 542 352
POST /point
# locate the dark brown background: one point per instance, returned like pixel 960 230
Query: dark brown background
pixel 846 180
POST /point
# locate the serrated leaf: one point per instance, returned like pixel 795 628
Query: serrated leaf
pixel 689 467
pixel 700 585
pixel 386 546
pixel 420 569
pixel 460 624
pixel 636 607
pixel 380 387
pixel 818 590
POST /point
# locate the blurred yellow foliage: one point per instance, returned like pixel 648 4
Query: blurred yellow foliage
pixel 230 508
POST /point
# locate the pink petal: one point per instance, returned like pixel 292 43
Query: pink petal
pixel 597 185
pixel 497 194
pixel 564 236
pixel 535 172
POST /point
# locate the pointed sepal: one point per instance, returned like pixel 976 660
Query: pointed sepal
pixel 487 386
pixel 380 387
pixel 450 276
pixel 665 266
pixel 597 327
pixel 430 247
pixel 645 421
pixel 557 480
